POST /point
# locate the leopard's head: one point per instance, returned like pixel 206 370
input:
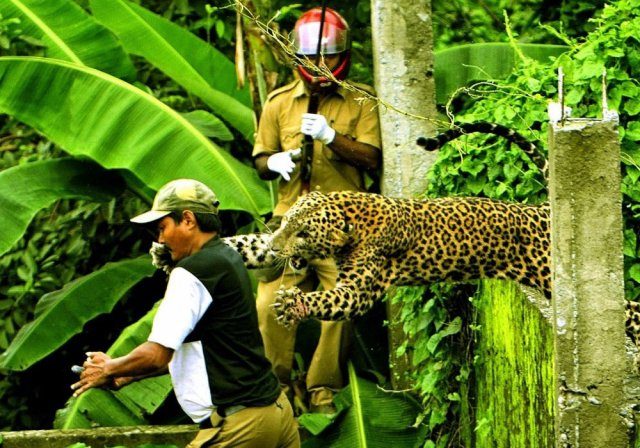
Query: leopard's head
pixel 314 227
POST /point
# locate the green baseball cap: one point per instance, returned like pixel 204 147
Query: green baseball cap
pixel 178 195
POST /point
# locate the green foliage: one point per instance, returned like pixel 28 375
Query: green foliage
pixel 33 186
pixel 68 34
pixel 486 166
pixel 474 166
pixel 77 302
pixel 459 21
pixel 366 416
pixel 89 113
pixel 189 61
pixel 463 64
pixel 63 241
pixel 128 406
pixel 436 338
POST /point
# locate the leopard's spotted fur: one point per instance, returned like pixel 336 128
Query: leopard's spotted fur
pixel 378 242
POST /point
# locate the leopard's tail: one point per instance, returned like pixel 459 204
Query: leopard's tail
pixel 532 151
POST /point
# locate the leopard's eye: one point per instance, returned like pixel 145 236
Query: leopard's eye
pixel 303 234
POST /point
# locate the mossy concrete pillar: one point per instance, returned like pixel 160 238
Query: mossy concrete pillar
pixel 402 38
pixel 514 368
pixel 588 289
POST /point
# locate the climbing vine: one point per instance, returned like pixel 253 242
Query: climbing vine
pixel 487 166
pixel 477 166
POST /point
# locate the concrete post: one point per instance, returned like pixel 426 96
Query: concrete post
pixel 588 285
pixel 402 40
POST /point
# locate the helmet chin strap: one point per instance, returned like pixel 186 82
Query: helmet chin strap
pixel 339 72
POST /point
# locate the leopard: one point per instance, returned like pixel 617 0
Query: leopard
pixel 378 242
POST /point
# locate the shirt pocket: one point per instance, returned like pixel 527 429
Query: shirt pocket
pixel 290 138
pixel 345 126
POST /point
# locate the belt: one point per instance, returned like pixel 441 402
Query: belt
pixel 226 411
pixel 220 413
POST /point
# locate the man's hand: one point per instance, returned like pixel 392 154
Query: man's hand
pixel 93 374
pixel 282 163
pixel 316 126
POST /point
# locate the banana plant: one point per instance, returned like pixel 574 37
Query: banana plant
pixel 92 114
pixel 366 417
pixel 70 34
pixel 30 187
pixel 128 406
pixel 188 60
pixel 461 65
pixel 62 314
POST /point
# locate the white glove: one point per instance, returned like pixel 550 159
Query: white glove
pixel 316 126
pixel 282 164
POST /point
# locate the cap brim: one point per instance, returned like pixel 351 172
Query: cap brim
pixel 150 216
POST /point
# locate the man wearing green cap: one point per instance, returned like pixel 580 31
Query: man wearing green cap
pixel 205 331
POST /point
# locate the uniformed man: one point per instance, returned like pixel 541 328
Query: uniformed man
pixel 346 141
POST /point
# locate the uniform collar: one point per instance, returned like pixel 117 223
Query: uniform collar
pixel 300 89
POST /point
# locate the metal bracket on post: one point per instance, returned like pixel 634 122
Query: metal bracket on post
pixel 607 114
pixel 557 111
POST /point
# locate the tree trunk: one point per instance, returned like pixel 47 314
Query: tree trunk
pixel 402 40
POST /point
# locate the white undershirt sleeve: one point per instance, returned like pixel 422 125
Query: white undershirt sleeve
pixel 185 302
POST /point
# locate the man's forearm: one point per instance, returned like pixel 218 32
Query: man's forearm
pixel 356 153
pixel 144 360
pixel 263 170
pixel 100 370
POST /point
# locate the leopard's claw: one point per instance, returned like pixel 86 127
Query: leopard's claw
pixel 289 307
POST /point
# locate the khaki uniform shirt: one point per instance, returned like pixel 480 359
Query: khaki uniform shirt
pixel 279 130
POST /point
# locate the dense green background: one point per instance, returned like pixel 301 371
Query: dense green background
pixel 73 238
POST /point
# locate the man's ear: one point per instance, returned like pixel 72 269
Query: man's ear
pixel 189 218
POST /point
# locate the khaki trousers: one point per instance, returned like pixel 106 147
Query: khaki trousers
pixel 324 373
pixel 270 426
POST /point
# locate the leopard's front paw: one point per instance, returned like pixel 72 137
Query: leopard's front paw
pixel 289 306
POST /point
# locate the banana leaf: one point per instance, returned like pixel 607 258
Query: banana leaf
pixel 90 113
pixel 62 314
pixel 70 34
pixel 132 404
pixel 366 417
pixel 25 189
pixel 188 60
pixel 461 65
pixel 209 125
